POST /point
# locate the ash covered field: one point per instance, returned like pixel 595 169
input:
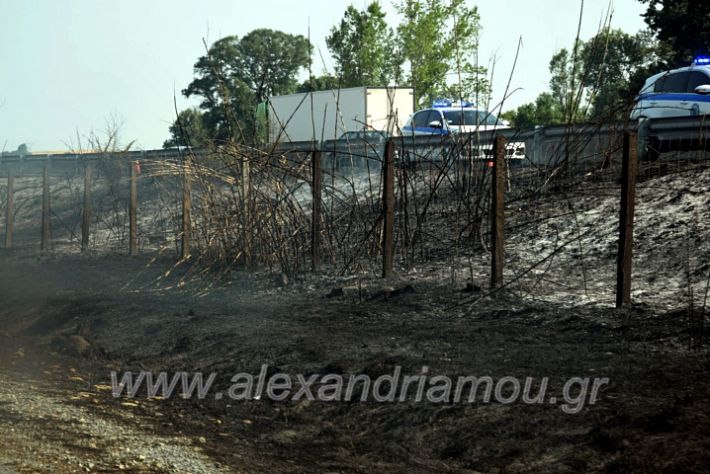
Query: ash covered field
pixel 69 320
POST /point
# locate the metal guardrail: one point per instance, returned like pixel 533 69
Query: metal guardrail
pixel 543 145
pixel 128 155
pixel 70 162
pixel 674 134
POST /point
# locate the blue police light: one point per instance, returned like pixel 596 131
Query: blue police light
pixel 701 61
pixel 462 103
pixel 441 103
pixel 438 103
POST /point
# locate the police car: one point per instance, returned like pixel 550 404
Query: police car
pixel 680 92
pixel 446 117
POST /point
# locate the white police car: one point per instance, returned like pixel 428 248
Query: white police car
pixel 680 92
pixel 446 117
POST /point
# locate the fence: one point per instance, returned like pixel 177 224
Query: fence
pixel 533 211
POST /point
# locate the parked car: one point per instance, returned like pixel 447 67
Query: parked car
pixel 679 92
pixel 446 117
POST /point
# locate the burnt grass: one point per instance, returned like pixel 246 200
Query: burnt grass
pixel 653 416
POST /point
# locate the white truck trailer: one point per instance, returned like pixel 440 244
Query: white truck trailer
pixel 326 115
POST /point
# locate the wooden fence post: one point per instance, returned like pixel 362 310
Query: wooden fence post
pixel 498 211
pixel 132 217
pixel 10 211
pixel 46 210
pixel 86 210
pixel 246 188
pixel 626 220
pixel 388 211
pixel 186 211
pixel 316 209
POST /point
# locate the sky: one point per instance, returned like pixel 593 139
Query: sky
pixel 71 67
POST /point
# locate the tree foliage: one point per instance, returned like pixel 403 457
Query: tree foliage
pixel 439 38
pixel 600 80
pixel 683 25
pixel 566 83
pixel 364 48
pixel 188 130
pixel 319 83
pixel 236 74
pixel 544 111
pixel 269 61
pixel 615 67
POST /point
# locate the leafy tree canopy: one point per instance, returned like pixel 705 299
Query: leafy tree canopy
pixel 236 74
pixel 319 83
pixel 683 25
pixel 188 130
pixel 597 80
pixel 364 48
pixel 438 41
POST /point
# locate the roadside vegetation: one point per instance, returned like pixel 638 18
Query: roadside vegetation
pixel 434 49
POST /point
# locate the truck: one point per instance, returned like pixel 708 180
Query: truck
pixel 329 114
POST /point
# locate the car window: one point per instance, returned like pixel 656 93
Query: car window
pixel 672 83
pixel 421 119
pixel 488 118
pixel 461 117
pixel 695 79
pixel 469 117
pixel 435 115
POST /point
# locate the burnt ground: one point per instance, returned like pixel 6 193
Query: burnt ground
pixel 654 415
pixel 57 413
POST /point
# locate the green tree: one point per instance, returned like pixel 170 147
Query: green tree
pixel 683 25
pixel 544 111
pixel 319 83
pixel 269 61
pixel 566 82
pixel 615 66
pixel 364 48
pixel 188 130
pixel 235 75
pixel 225 96
pixel 437 40
pixel 599 80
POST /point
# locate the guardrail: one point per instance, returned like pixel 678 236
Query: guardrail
pixel 674 134
pixel 543 146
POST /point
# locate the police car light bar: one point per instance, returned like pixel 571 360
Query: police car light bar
pixel 450 103
pixel 701 61
pixel 442 103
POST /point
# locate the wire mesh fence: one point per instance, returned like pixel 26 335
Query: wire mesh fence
pixel 236 206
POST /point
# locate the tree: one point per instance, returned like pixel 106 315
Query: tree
pixel 599 78
pixel 225 96
pixel 319 83
pixel 235 75
pixel 364 48
pixel 188 130
pixel 544 111
pixel 683 25
pixel 269 61
pixel 437 38
pixel 566 83
pixel 615 66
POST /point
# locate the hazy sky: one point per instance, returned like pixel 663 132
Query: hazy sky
pixel 70 65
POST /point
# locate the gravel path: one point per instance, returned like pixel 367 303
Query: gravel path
pixel 44 432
